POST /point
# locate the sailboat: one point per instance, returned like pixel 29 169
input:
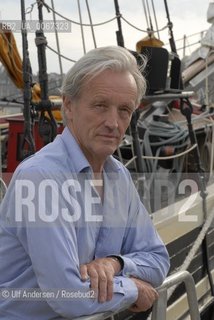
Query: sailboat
pixel 164 150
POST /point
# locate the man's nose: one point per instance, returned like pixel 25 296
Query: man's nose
pixel 111 119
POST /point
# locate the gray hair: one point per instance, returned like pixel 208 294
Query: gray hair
pixel 98 60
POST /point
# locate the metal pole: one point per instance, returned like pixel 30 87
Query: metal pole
pixel 119 34
pixel 177 278
pixel 170 25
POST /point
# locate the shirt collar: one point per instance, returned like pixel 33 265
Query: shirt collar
pixel 79 161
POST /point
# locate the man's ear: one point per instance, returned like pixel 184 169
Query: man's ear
pixel 67 106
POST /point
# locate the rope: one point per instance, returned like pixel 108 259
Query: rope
pixel 194 248
pixel 41 40
pixel 158 158
pixel 14 52
pixel 57 41
pixel 145 31
pixel 78 23
pixel 90 19
pixel 158 135
pixel 59 54
pixel 164 134
pixel 81 27
pixel 150 19
pixel 30 9
pixel 155 17
pixel 100 23
pixel 145 13
pixel 171 157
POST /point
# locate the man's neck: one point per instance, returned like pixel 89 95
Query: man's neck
pixel 98 183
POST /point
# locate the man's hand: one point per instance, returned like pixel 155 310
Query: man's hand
pixel 101 273
pixel 146 296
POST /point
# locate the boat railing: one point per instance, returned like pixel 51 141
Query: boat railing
pixel 160 306
pixel 98 316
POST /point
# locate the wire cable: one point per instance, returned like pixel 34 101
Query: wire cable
pixel 139 29
pixel 61 55
pixel 150 19
pixel 92 28
pixel 57 41
pixel 78 23
pixel 145 13
pixel 81 27
pixel 155 18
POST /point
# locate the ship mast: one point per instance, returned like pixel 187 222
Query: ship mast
pixel 119 33
pixel 47 125
pixel 28 145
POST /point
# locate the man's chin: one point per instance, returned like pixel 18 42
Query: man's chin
pixel 108 151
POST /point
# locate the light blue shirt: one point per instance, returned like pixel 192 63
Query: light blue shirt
pixel 52 220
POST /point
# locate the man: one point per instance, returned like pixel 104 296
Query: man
pixel 72 224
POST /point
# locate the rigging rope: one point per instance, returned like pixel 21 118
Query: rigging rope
pixel 145 31
pixel 194 248
pixel 157 137
pixel 150 20
pixel 30 9
pixel 186 110
pixel 160 134
pixel 61 55
pixel 78 23
pixel 57 41
pixel 145 13
pixel 177 155
pixel 81 27
pixel 155 17
pixel 92 28
pixel 100 23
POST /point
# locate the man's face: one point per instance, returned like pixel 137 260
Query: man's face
pixel 100 116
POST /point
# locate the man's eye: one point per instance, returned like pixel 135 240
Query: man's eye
pixel 100 106
pixel 125 110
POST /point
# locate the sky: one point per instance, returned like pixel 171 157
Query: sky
pixel 188 17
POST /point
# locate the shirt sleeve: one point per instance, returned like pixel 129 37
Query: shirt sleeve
pixel 144 253
pixel 51 245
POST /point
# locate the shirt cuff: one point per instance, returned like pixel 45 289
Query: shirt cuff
pixel 126 287
pixel 119 259
pixel 129 267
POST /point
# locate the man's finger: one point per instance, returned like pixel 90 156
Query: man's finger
pixel 84 272
pixel 94 280
pixel 102 287
pixel 110 287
